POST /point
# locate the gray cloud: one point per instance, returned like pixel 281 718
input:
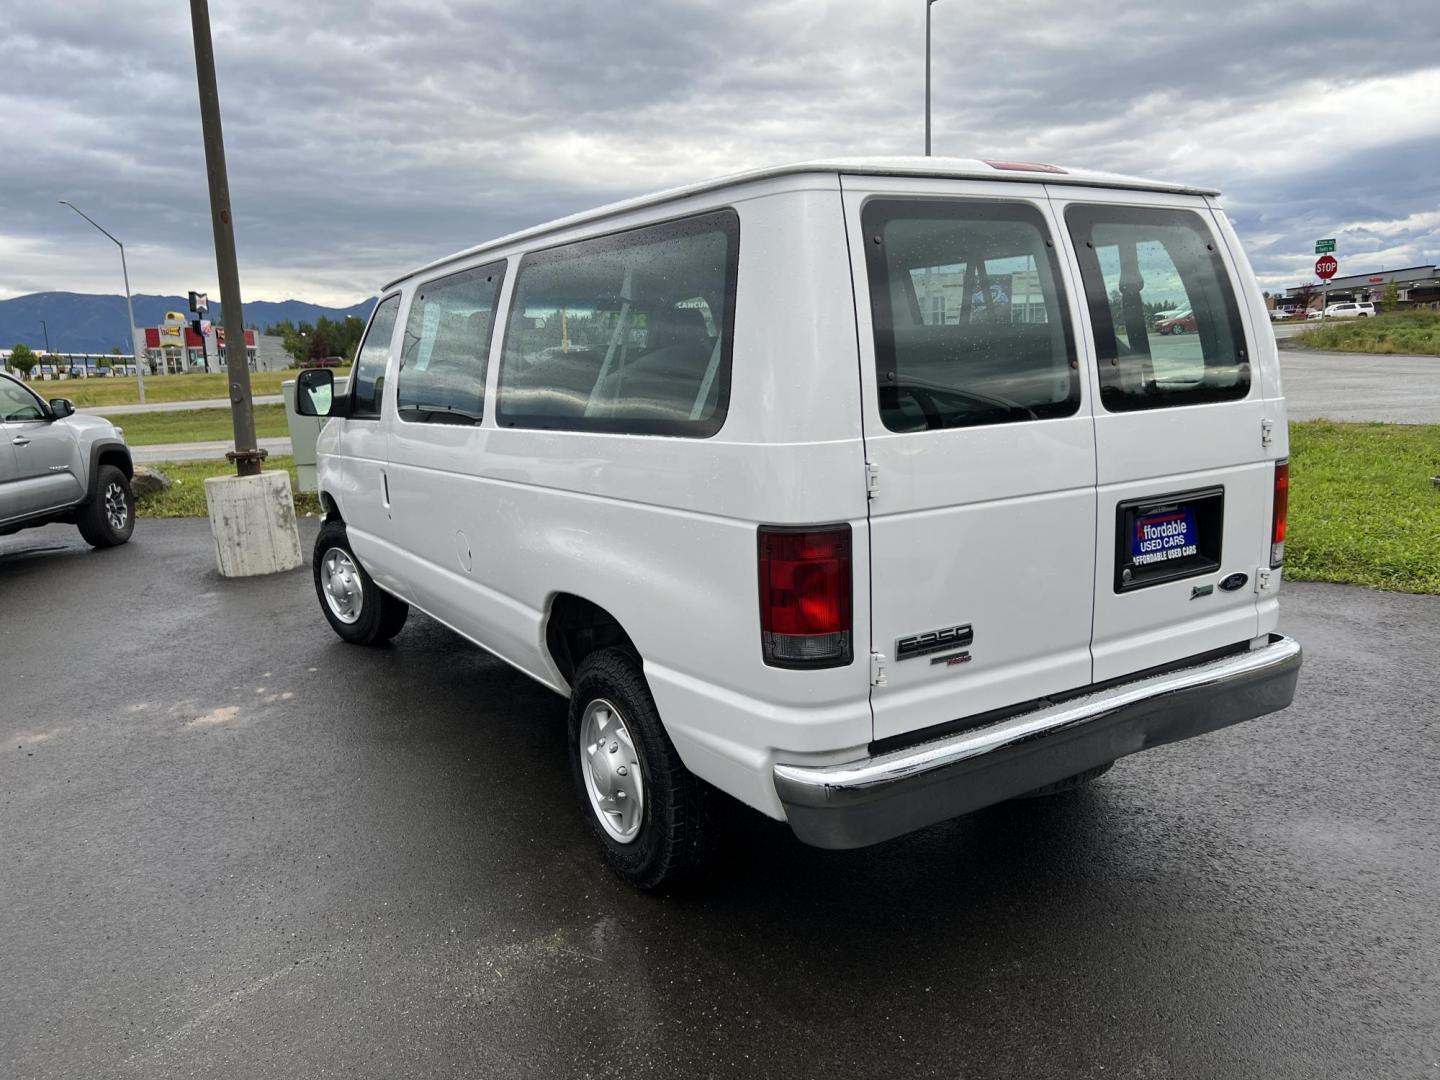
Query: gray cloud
pixel 364 138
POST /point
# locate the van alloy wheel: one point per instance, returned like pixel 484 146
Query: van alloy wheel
pixel 611 766
pixel 343 592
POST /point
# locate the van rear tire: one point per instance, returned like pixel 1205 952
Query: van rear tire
pixel 621 758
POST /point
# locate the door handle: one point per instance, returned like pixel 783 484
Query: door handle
pixel 20 440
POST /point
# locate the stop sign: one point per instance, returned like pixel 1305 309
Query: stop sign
pixel 1326 267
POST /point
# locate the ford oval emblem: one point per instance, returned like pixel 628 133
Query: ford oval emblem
pixel 1233 582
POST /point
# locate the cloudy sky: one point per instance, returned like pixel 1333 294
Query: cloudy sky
pixel 366 138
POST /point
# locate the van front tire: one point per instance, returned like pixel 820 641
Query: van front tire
pixel 357 609
pixel 620 756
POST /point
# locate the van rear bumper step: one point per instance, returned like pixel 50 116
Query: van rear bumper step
pixel 856 803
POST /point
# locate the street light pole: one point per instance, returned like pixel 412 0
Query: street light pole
pixel 129 308
pixel 247 455
pixel 47 335
pixel 928 5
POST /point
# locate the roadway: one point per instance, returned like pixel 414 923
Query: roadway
pixel 177 406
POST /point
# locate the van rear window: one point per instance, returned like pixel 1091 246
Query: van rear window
pixel 625 333
pixel 970 320
pixel 1167 329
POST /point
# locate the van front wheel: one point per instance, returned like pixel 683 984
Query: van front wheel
pixel 357 609
pixel 650 813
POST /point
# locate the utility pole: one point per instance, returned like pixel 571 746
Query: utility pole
pixel 247 456
pixel 928 5
pixel 129 308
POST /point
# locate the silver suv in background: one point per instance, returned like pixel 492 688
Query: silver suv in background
pixel 57 465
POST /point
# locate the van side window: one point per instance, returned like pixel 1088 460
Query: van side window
pixel 446 345
pixel 970 319
pixel 1167 329
pixel 625 333
pixel 367 379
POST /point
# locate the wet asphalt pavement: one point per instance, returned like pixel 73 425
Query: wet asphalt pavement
pixel 232 846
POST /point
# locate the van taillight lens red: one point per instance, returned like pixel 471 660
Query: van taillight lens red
pixel 1277 519
pixel 805 586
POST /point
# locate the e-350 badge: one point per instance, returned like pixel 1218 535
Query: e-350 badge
pixel 934 641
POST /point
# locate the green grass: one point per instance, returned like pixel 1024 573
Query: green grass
pixel 186 496
pixel 1363 510
pixel 196 425
pixel 122 391
pixel 1414 333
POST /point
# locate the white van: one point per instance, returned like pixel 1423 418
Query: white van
pixel 862 491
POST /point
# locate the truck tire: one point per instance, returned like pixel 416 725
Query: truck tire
pixel 109 518
pixel 358 610
pixel 1070 783
pixel 650 813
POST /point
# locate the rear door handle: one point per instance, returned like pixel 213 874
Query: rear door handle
pixel 20 440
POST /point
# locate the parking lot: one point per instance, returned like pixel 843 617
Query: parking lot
pixel 234 846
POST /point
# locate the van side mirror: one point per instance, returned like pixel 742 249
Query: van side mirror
pixel 61 407
pixel 315 392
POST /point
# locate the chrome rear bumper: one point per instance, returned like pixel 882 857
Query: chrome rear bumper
pixel 862 802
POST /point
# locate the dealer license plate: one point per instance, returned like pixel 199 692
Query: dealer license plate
pixel 1164 536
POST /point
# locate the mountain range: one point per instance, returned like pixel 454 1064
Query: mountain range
pixel 92 323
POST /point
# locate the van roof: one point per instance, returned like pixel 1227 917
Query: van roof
pixel 956 168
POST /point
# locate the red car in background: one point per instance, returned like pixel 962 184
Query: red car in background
pixel 1184 323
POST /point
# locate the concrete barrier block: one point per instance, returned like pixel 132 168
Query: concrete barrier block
pixel 253 521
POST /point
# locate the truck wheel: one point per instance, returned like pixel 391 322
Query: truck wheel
pixel 357 609
pixel 650 813
pixel 109 518
pixel 1070 783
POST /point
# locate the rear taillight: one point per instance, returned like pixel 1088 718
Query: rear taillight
pixel 805 617
pixel 1277 518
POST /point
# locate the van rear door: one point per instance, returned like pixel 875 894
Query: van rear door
pixel 1184 473
pixel 980 442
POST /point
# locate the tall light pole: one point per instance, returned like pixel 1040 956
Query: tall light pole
pixel 928 5
pixel 47 335
pixel 129 308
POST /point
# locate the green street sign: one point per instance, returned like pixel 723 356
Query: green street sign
pixel 1324 247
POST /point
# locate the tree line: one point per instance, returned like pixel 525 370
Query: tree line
pixel 326 337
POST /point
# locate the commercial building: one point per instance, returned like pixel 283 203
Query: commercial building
pixel 173 347
pixel 1417 286
pixel 58 365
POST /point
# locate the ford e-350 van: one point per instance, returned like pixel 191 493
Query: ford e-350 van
pixel 863 491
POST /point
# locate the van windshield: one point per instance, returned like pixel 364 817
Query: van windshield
pixel 970 323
